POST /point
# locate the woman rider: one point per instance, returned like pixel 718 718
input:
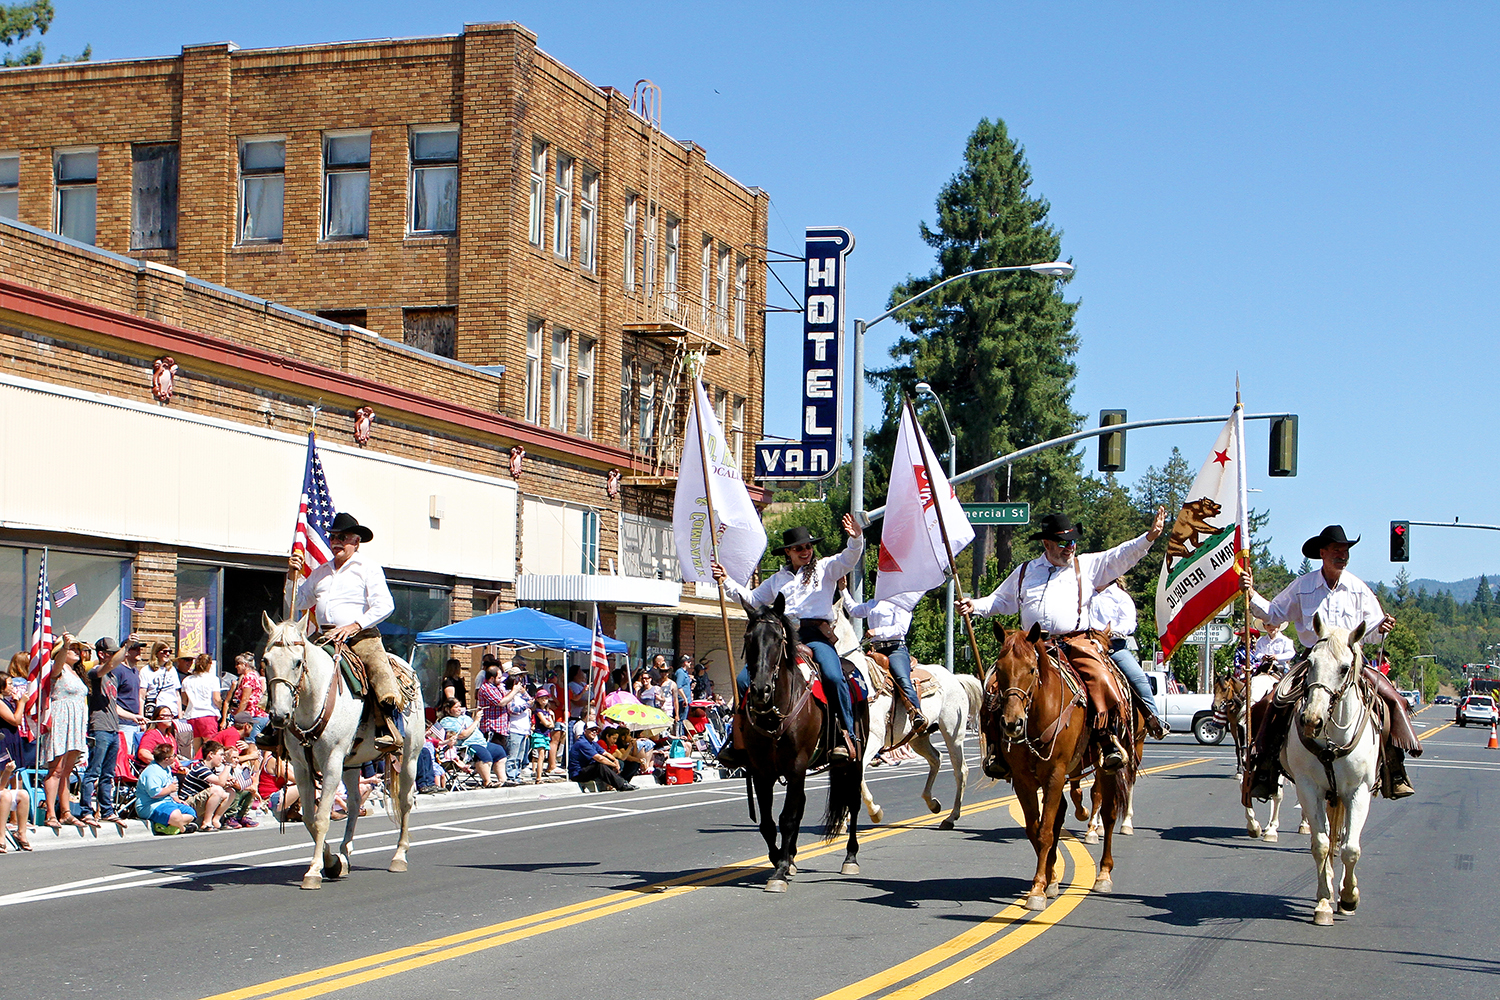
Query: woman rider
pixel 809 585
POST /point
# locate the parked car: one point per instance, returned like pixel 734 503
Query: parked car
pixel 1442 699
pixel 1192 713
pixel 1476 708
pixel 1413 699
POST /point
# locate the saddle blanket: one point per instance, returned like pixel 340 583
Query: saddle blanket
pixel 857 692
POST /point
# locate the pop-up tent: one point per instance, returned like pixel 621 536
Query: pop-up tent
pixel 523 628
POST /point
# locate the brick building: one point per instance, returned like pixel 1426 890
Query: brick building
pixel 460 233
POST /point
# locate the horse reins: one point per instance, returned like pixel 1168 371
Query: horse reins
pixel 1327 753
pixel 308 736
pixel 754 714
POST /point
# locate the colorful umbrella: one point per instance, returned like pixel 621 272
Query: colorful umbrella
pixel 638 718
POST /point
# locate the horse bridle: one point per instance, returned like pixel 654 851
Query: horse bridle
pixel 774 713
pixel 304 736
pixel 1334 695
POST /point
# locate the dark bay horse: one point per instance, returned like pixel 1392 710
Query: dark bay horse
pixel 1041 728
pixel 786 725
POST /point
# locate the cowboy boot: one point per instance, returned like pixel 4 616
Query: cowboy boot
pixel 392 735
pixel 1114 756
pixel 1396 784
pixel 269 738
pixel 993 763
pixel 734 756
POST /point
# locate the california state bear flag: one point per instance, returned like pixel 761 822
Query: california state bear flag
pixel 1200 574
pixel 912 554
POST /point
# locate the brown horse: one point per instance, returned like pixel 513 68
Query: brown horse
pixel 786 726
pixel 1041 728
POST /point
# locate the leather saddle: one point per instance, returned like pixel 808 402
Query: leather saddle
pixel 921 678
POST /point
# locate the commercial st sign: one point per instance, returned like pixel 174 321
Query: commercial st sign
pixel 998 513
pixel 817 454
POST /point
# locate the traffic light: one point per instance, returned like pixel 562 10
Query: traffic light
pixel 1400 541
pixel 1111 445
pixel 1284 446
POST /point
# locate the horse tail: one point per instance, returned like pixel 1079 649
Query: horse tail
pixel 975 691
pixel 843 798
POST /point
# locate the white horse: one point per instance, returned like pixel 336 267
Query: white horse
pixel 325 735
pixel 1261 686
pixel 1332 753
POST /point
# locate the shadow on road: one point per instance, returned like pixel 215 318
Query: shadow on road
pixel 909 895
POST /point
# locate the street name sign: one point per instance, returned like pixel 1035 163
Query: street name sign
pixel 998 513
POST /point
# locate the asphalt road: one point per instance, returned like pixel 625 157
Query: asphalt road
pixel 658 893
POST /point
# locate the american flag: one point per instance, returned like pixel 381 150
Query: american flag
pixel 315 513
pixel 598 666
pixel 135 604
pixel 1172 686
pixel 40 676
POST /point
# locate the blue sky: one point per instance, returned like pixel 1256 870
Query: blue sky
pixel 1301 193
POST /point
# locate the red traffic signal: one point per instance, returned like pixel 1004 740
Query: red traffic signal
pixel 1400 541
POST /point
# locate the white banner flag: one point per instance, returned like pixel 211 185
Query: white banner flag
pixel 742 539
pixel 912 554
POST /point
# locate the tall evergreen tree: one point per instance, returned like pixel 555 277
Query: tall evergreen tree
pixel 998 349
pixel 1484 601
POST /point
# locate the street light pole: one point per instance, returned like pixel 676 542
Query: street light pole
pixel 923 389
pixel 1052 268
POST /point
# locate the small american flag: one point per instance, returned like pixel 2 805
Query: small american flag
pixel 1172 686
pixel 135 604
pixel 65 595
pixel 315 513
pixel 598 666
pixel 40 676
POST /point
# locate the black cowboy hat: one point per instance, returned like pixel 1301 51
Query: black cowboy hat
pixel 344 521
pixel 1056 528
pixel 1331 535
pixel 799 535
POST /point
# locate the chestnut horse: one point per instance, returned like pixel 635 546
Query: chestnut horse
pixel 1041 728
pixel 786 727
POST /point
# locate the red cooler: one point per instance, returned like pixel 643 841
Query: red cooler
pixel 681 771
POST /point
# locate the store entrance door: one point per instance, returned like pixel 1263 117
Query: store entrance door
pixel 248 593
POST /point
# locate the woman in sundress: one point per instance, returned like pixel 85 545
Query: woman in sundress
pixel 66 740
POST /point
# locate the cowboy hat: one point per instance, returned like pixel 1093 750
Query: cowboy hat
pixel 1331 535
pixel 1056 528
pixel 344 521
pixel 798 535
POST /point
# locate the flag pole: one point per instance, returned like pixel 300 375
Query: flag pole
pixel 1244 516
pixel 943 527
pixel 713 539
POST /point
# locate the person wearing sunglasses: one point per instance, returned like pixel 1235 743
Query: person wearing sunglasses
pixel 1056 591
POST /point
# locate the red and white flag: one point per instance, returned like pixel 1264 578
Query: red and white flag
pixel 913 556
pixel 598 668
pixel 38 701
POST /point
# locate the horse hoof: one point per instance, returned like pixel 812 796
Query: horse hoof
pixel 776 885
pixel 1349 905
pixel 878 816
pixel 1091 837
pixel 1036 902
pixel 1053 889
pixel 1303 828
pixel 1271 837
pixel 933 805
pixel 1323 918
pixel 850 868
pixel 1079 814
pixel 397 865
pixel 1104 884
pixel 946 824
pixel 1127 829
pixel 1253 831
pixel 312 881
pixel 791 870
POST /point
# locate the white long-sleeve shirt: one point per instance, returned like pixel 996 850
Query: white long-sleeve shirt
pixel 1113 607
pixel 812 600
pixel 356 593
pixel 1277 646
pixel 1045 593
pixel 886 619
pixel 1344 606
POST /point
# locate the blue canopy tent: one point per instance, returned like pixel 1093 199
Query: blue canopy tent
pixel 523 628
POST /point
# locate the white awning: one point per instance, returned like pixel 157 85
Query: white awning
pixel 605 589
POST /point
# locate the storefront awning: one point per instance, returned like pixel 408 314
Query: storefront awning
pixel 603 589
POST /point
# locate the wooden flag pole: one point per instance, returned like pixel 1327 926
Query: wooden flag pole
pixel 713 541
pixel 943 527
pixel 1239 444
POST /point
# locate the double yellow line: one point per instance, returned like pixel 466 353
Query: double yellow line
pixel 382 965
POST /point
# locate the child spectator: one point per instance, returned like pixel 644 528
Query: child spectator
pixel 204 786
pixel 156 800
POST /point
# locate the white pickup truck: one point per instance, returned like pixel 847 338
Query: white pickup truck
pixel 1186 712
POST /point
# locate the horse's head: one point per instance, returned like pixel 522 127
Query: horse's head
pixel 1014 682
pixel 286 645
pixel 1332 666
pixel 1228 689
pixel 769 642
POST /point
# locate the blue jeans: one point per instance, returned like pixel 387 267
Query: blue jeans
pixel 900 659
pixel 103 746
pixel 517 748
pixel 426 767
pixel 829 668
pixel 1126 661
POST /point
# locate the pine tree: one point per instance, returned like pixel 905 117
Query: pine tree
pixel 19 22
pixel 997 349
pixel 1483 599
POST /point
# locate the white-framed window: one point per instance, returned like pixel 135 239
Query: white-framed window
pixel 721 408
pixel 589 543
pixel 10 186
pixel 650 250
pixel 737 433
pixel 562 206
pixel 434 180
pixel 588 220
pixel 538 190
pixel 533 370
pixel 627 269
pixel 627 400
pixel 557 396
pixel 669 279
pixel 584 424
pixel 262 184
pixel 77 174
pixel 721 292
pixel 346 185
pixel 646 408
pixel 741 292
pixel 705 289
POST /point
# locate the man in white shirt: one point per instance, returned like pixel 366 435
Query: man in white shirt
pixel 886 624
pixel 1341 600
pixel 350 597
pixel 1057 591
pixel 1114 609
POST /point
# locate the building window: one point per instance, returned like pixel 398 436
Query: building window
pixel 741 290
pixel 705 288
pixel 562 206
pixel 538 189
pixel 77 172
pixel 588 221
pixel 669 279
pixel 434 180
pixel 646 405
pixel 738 437
pixel 346 186
pixel 721 408
pixel 153 205
pixel 590 540
pixel 627 400
pixel 650 251
pixel 432 330
pixel 10 185
pixel 262 181
pixel 557 401
pixel 584 424
pixel 533 371
pixel 721 292
pixel 632 206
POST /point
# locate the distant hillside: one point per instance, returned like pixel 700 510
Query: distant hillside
pixel 1462 590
